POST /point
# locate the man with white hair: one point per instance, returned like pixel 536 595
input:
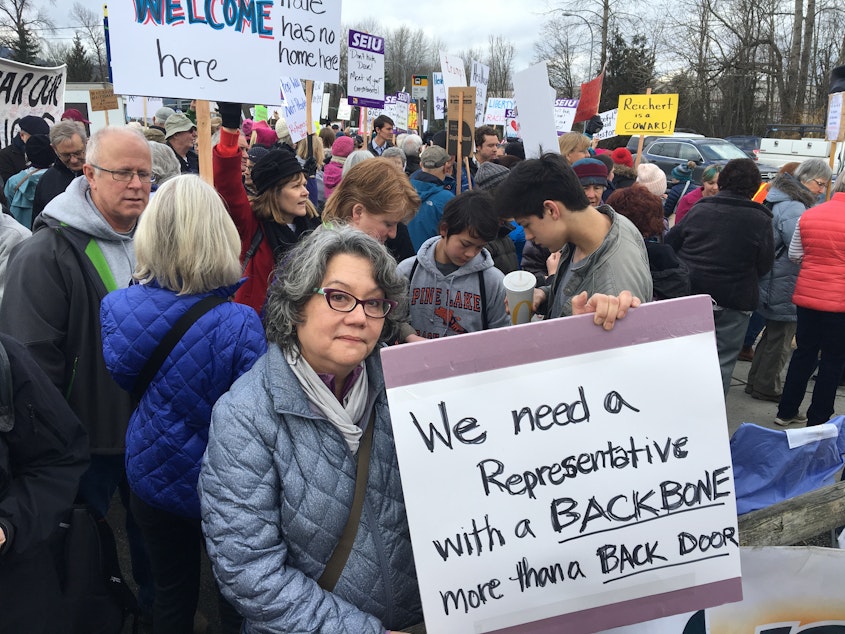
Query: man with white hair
pixel 68 139
pixel 411 147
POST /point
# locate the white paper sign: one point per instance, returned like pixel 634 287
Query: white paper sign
pixel 324 111
pixel 344 110
pixel 135 106
pixel 546 473
pixel 365 70
pixel 29 90
pixel 496 107
pixel 454 75
pixel 608 118
pixel 316 105
pixel 536 110
pixel 480 76
pixel 565 114
pixel 834 116
pixel 401 108
pixel 439 96
pixel 294 109
pixel 193 50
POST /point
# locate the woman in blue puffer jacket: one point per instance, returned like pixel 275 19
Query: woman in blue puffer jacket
pixel 187 248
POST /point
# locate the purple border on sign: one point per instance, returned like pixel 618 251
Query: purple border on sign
pixel 635 610
pixel 541 341
pixel 365 102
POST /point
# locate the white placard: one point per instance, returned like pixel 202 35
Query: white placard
pixel 439 96
pixel 294 108
pixel 29 90
pixel 565 114
pixel 344 110
pixel 324 111
pixel 834 117
pixel 316 105
pixel 135 106
pixel 541 485
pixel 608 118
pixel 496 107
pixel 479 78
pixel 454 75
pixel 365 65
pixel 193 50
pixel 401 108
pixel 536 110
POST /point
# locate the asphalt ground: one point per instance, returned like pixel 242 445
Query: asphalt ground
pixel 739 407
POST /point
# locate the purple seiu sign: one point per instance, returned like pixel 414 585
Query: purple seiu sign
pixel 366 70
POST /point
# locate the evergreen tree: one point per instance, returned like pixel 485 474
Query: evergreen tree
pixel 630 69
pixel 79 64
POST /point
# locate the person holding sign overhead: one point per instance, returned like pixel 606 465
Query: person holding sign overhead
pixel 271 221
pixel 302 503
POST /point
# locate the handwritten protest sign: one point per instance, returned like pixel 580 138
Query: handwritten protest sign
pixel 479 77
pixel 29 90
pixel 135 106
pixel 835 130
pixel 565 114
pixel 460 125
pixel 189 49
pixel 535 100
pixel 550 481
pixel 608 118
pixel 344 110
pixel 496 107
pixel 294 108
pixel 401 110
pixel 454 75
pixel 365 64
pixel 316 105
pixel 439 96
pixel 655 114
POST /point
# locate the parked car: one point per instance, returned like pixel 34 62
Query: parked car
pixel 669 152
pixel 747 143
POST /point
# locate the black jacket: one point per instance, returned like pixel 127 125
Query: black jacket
pixel 188 165
pixel 726 242
pixel 53 182
pixel 42 456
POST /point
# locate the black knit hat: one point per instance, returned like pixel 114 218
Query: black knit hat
pixel 273 167
pixel 34 125
pixel 39 151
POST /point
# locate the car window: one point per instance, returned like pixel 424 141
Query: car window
pixel 688 152
pixel 669 150
pixel 721 151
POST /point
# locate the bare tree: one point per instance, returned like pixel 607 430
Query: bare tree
pixel 500 61
pixel 21 20
pixel 557 50
pixel 91 30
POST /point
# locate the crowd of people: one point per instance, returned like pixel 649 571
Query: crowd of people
pixel 257 430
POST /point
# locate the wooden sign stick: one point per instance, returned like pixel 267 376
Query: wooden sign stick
pixel 204 140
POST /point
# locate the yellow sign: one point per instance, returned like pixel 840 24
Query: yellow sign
pixel 413 122
pixel 647 114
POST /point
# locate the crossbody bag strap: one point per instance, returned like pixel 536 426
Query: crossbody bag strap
pixel 341 552
pixel 153 364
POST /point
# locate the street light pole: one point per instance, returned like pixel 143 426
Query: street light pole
pixel 592 39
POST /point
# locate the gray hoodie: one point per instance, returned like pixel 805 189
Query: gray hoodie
pixel 445 305
pixel 76 209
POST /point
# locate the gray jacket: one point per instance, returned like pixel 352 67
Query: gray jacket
pixel 276 488
pixel 619 264
pixel 787 199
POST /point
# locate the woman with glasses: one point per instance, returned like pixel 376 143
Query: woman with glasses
pixel 187 252
pixel 291 439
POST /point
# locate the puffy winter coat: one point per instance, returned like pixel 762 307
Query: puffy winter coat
pixel 276 488
pixel 787 199
pixel 821 283
pixel 434 197
pixel 168 431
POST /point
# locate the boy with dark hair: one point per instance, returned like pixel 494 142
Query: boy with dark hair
pixel 383 138
pixel 601 252
pixel 454 287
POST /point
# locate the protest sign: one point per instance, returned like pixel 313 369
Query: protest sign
pixel 316 105
pixel 366 70
pixel 102 99
pixel 654 114
pixel 608 118
pixel 565 114
pixel 588 104
pixel 205 51
pixel 413 118
pixel 261 113
pixel 496 107
pixel 324 111
pixel 479 77
pixel 439 96
pixel 535 100
pixel 400 111
pixel 344 110
pixel 512 124
pixel 294 108
pixel 454 75
pixel 29 90
pixel 835 130
pixel 552 485
pixel 135 106
pixel 461 117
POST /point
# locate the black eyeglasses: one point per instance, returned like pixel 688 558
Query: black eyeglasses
pixel 344 302
pixel 78 155
pixel 126 176
pixel 822 184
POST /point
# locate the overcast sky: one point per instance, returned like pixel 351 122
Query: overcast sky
pixel 456 22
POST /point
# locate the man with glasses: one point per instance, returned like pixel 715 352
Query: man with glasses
pixel 68 139
pixel 80 250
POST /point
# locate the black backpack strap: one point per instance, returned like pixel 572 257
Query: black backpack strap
pixel 253 247
pixel 413 270
pixel 151 367
pixel 482 290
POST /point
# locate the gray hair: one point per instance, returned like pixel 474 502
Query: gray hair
pixel 65 131
pixel 839 185
pixel 395 151
pixel 812 169
pixel 354 158
pixel 412 144
pixel 92 152
pixel 165 163
pixel 303 269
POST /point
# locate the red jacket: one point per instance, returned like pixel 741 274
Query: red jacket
pixel 227 181
pixel 821 281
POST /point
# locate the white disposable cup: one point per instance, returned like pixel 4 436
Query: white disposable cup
pixel 519 288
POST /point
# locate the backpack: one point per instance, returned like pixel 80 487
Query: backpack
pixel 97 597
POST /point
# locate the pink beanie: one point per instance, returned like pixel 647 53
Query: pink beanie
pixel 343 146
pixel 264 134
